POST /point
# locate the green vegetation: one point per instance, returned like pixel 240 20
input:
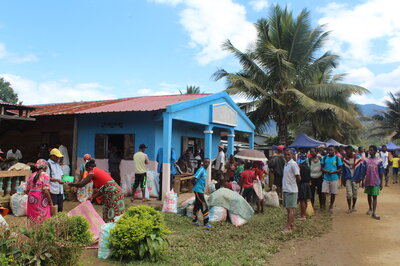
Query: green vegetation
pixel 288 78
pixel 140 234
pixel 191 89
pixel 7 93
pixel 387 124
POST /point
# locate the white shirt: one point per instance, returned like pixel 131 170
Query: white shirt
pixel 64 152
pixel 220 160
pixel 17 155
pixel 385 158
pixel 55 171
pixel 290 171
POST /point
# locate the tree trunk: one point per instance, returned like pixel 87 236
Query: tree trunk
pixel 282 124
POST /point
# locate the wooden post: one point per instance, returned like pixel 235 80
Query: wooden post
pixel 74 146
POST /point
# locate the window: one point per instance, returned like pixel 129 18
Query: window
pixel 123 142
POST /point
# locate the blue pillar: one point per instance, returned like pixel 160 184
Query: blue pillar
pixel 167 140
pixel 231 142
pixel 208 142
pixel 251 140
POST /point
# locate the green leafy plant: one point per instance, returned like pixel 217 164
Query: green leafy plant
pixel 141 233
pixel 9 250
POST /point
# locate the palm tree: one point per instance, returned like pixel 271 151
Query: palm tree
pixel 279 72
pixel 191 89
pixel 388 122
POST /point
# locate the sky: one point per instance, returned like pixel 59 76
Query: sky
pixel 82 50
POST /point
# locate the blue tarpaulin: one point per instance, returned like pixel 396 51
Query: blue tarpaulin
pixel 304 141
pixel 334 143
pixel 392 147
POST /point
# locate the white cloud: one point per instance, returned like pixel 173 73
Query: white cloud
pixel 356 30
pixel 378 84
pixel 3 51
pixel 15 58
pixel 259 5
pixel 151 92
pixel 209 23
pixel 32 92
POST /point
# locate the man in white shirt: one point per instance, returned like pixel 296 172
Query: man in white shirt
pixel 14 154
pixel 291 175
pixel 220 162
pixel 384 154
pixel 65 159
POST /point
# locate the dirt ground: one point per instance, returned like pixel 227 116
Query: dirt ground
pixel 356 239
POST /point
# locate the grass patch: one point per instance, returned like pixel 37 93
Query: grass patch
pixel 251 244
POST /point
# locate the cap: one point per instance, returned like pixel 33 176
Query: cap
pixel 142 146
pixel 221 146
pixel 280 147
pixel 56 152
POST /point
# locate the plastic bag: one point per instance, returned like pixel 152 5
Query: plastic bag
pixel 83 193
pixel 3 221
pixel 139 194
pixel 19 204
pixel 271 198
pixel 151 184
pixel 310 210
pixel 105 252
pixel 170 204
pixel 258 189
pixel 189 211
pixel 21 188
pixel 236 219
pixel 218 214
pixel 235 187
pixel 126 184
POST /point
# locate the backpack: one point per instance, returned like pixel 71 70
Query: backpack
pixel 337 161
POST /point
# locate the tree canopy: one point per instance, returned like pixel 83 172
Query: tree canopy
pixel 388 123
pixel 7 93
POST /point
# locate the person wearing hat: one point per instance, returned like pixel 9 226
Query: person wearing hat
pixel 56 184
pixel 140 160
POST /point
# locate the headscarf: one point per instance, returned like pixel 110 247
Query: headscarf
pixel 87 157
pixel 41 164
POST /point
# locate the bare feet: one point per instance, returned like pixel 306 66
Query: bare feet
pixel 145 200
pixel 348 211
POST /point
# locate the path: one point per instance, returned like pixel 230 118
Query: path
pixel 355 239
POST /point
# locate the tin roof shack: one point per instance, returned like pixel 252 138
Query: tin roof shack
pixel 172 121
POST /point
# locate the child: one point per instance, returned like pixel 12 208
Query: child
pixel 304 186
pixel 200 178
pixel 373 177
pixel 395 167
pixel 331 167
pixel 351 175
pixel 247 178
pixel 258 168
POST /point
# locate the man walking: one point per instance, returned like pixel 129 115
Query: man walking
pixel 291 176
pixel 56 184
pixel 331 167
pixel 384 154
pixel 200 203
pixel 351 176
pixel 140 161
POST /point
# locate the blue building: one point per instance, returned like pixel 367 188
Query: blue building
pixel 178 121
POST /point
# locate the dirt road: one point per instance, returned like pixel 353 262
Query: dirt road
pixel 356 239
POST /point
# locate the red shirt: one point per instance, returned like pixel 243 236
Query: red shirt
pixel 259 173
pixel 100 177
pixel 246 178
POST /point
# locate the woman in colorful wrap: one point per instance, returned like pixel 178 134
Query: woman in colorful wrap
pixel 83 193
pixel 38 190
pixel 113 197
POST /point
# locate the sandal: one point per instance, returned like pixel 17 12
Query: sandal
pixel 349 211
pixel 376 217
pixel 301 218
pixel 369 212
pixel 286 231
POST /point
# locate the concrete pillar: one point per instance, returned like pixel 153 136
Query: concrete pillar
pixel 251 140
pixel 167 140
pixel 231 143
pixel 208 153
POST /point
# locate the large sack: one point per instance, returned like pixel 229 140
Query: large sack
pixel 235 187
pixel 258 189
pixel 19 204
pixel 189 211
pixel 3 221
pixel 151 184
pixel 310 210
pixel 105 252
pixel 139 194
pixel 19 167
pixel 89 213
pixel 218 214
pixel 170 204
pixel 126 184
pixel 236 219
pixel 271 198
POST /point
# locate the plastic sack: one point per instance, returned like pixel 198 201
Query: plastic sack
pixel 235 187
pixel 83 193
pixel 218 214
pixel 310 210
pixel 21 188
pixel 139 195
pixel 170 204
pixel 19 204
pixel 271 198
pixel 19 167
pixel 104 252
pixel 236 219
pixel 258 189
pixel 126 184
pixel 151 184
pixel 189 211
pixel 3 221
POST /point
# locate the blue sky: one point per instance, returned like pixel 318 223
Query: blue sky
pixel 61 51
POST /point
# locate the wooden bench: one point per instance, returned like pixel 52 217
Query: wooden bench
pixel 183 181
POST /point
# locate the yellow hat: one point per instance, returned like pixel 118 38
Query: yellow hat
pixel 56 152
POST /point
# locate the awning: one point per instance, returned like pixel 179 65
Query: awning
pixel 334 143
pixel 304 141
pixel 392 147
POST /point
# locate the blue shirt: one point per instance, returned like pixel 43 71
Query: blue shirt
pixel 201 177
pixel 331 164
pixel 54 170
pixel 159 160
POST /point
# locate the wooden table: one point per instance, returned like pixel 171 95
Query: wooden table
pixel 183 180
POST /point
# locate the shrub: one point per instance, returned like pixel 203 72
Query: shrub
pixel 141 233
pixel 9 250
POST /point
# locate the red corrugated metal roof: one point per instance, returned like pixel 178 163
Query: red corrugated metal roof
pixel 15 105
pixel 146 103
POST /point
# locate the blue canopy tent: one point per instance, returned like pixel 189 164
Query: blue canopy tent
pixel 304 141
pixel 334 143
pixel 392 147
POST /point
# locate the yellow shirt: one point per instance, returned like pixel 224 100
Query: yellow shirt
pixel 395 162
pixel 139 160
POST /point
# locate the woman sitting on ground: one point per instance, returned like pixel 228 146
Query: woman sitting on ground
pixel 38 190
pixel 113 201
